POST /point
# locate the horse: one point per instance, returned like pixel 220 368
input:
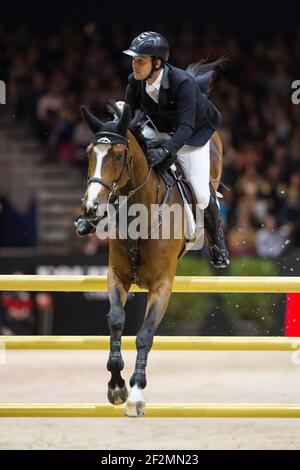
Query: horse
pixel 118 166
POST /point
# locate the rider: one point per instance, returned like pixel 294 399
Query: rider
pixel 172 100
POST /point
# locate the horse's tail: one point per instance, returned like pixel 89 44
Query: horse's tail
pixel 205 72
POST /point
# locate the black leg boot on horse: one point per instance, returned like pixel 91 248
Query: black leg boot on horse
pixel 158 298
pixel 117 292
pixel 215 235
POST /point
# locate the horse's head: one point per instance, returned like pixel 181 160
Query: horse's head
pixel 109 166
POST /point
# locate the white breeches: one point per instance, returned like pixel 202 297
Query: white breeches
pixel 195 163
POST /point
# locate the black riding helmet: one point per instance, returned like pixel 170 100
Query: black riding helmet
pixel 150 44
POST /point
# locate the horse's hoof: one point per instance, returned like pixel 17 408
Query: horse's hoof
pixel 117 396
pixel 135 409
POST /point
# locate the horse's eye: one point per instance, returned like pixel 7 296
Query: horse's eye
pixel 118 157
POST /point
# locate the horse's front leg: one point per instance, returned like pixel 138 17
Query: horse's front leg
pixel 117 290
pixel 158 299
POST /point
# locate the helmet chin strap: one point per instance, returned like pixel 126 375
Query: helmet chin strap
pixel 153 68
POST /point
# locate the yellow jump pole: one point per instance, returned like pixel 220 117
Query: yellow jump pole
pixel 153 410
pixel 162 343
pixel 246 284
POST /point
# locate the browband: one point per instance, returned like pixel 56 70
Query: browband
pixel 107 137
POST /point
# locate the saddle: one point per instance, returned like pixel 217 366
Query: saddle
pixel 171 172
pixel 174 176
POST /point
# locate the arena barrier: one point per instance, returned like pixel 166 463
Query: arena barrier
pixel 153 410
pixel 161 343
pixel 186 284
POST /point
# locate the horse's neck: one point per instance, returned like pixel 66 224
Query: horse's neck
pixel 140 170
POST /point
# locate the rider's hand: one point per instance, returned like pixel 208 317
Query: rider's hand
pixel 157 155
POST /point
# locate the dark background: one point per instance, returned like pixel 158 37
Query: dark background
pixel 247 20
pixel 250 94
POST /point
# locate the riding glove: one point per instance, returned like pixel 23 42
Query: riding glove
pixel 157 155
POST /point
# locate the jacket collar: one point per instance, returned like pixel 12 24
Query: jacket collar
pixel 165 82
pixel 156 84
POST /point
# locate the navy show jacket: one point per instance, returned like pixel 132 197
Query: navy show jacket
pixel 183 109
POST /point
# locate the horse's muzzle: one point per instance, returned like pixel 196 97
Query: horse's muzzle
pixel 89 211
pixel 84 228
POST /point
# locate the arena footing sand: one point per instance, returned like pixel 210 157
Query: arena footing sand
pixel 173 376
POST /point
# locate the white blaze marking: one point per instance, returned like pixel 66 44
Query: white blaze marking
pixel 95 188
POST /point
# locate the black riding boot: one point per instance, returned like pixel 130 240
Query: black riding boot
pixel 215 235
pixel 84 227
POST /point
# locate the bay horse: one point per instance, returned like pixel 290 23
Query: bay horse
pixel 118 167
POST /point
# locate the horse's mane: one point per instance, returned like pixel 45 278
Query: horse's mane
pixel 205 73
pixel 135 125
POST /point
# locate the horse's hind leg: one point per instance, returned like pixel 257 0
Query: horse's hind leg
pixel 117 390
pixel 158 299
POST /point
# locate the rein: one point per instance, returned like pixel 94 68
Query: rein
pixel 113 187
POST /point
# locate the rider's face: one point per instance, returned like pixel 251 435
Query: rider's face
pixel 141 67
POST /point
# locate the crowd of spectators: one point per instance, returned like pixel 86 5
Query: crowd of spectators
pixel 49 76
pixel 24 313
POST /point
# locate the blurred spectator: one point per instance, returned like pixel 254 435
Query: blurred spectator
pixel 53 76
pixel 242 237
pixel 45 309
pixel 270 240
pixel 290 214
pixel 18 314
pixel 49 106
pixel 23 314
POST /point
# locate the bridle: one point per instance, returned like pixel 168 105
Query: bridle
pixel 114 138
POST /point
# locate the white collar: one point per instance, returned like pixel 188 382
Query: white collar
pixel 156 84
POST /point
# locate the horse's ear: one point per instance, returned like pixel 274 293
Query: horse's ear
pixel 124 120
pixel 94 124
